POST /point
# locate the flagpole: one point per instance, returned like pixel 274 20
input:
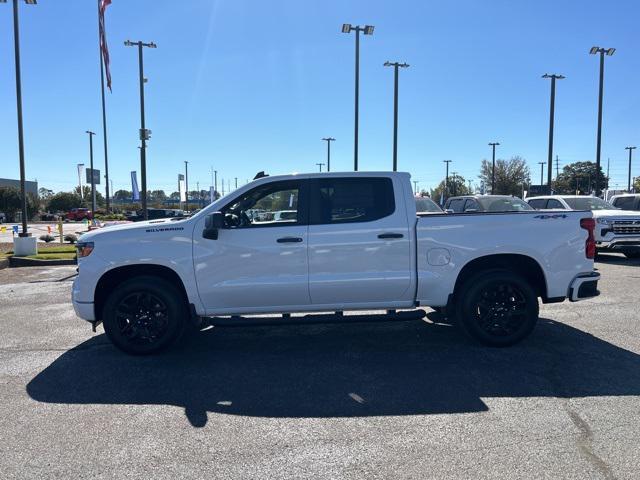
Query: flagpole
pixel 104 112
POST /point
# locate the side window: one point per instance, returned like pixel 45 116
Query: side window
pixel 348 200
pixel 538 203
pixel 471 204
pixel 555 204
pixel 625 203
pixel 456 205
pixel 271 205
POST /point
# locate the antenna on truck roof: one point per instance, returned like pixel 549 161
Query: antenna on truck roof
pixel 260 174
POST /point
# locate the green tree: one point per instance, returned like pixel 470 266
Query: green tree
pixel 86 192
pixel 122 195
pixel 457 185
pixel 157 196
pixel 579 177
pixel 636 184
pixel 64 201
pixel 11 203
pixel 511 175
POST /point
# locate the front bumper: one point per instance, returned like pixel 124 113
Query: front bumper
pixel 616 242
pixel 83 310
pixel 584 286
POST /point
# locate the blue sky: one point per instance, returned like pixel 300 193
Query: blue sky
pixel 250 85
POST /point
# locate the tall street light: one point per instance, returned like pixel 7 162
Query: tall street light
pixel 602 52
pixel 16 45
pixel 631 149
pixel 395 66
pixel 93 184
pixel 320 165
pixel 552 108
pixel 446 177
pixel 186 182
pixel 493 168
pixel 329 140
pixel 541 172
pixel 144 133
pixel 367 30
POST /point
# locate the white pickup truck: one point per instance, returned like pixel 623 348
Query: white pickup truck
pixel 354 242
pixel 616 230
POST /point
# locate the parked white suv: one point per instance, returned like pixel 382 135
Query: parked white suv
pixel 626 201
pixel 616 230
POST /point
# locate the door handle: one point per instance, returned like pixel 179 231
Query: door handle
pixel 386 236
pixel 289 240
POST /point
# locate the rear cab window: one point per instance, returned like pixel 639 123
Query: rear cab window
pixel 350 200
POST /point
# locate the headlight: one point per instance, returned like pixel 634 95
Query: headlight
pixel 84 249
pixel 604 221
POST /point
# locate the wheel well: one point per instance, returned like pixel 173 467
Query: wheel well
pixel 114 277
pixel 525 266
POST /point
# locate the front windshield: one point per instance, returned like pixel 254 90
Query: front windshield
pixel 504 204
pixel 588 203
pixel 425 204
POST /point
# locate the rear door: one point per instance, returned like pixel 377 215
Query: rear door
pixel 359 241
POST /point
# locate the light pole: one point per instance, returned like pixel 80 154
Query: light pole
pixel 16 45
pixel 329 140
pixel 493 168
pixel 367 30
pixel 446 177
pixel 602 52
pixel 144 133
pixel 396 66
pixel 415 187
pixel 541 172
pixel 93 184
pixel 552 108
pixel 631 149
pixel 186 182
pixel 320 165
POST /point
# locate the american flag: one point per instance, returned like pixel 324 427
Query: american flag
pixel 103 40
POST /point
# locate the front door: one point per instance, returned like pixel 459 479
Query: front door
pixel 259 261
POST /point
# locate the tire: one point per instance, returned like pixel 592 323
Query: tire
pixel 144 315
pixel 497 308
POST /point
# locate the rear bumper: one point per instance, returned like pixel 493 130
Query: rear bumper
pixel 584 286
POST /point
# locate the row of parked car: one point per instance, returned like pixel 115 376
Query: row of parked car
pixel 617 221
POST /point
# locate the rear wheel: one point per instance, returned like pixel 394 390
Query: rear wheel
pixel 497 308
pixel 144 315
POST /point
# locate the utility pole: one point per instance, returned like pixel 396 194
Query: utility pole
pixel 415 187
pixel 236 182
pixel 396 66
pixel 558 167
pixel 493 168
pixel 602 52
pixel 367 30
pixel 541 173
pixel 104 108
pixel 144 133
pixel 631 149
pixel 329 140
pixel 320 165
pixel 93 184
pixel 553 78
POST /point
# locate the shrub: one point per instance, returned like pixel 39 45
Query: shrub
pixel 71 238
pixel 47 238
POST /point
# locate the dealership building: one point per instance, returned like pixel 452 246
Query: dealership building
pixel 31 187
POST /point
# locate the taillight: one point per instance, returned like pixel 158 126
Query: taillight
pixel 589 224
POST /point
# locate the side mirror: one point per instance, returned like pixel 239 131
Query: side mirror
pixel 448 210
pixel 212 223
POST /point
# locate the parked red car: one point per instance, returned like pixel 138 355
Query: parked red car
pixel 77 214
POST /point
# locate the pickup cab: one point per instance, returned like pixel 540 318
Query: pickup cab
pixel 616 230
pixel 354 243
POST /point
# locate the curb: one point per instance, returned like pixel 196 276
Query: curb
pixel 32 262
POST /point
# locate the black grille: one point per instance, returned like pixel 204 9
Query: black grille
pixel 626 227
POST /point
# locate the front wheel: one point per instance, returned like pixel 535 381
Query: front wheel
pixel 144 315
pixel 497 308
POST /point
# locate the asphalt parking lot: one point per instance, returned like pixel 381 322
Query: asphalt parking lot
pixel 368 400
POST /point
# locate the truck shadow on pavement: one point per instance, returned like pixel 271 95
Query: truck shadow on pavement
pixel 366 369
